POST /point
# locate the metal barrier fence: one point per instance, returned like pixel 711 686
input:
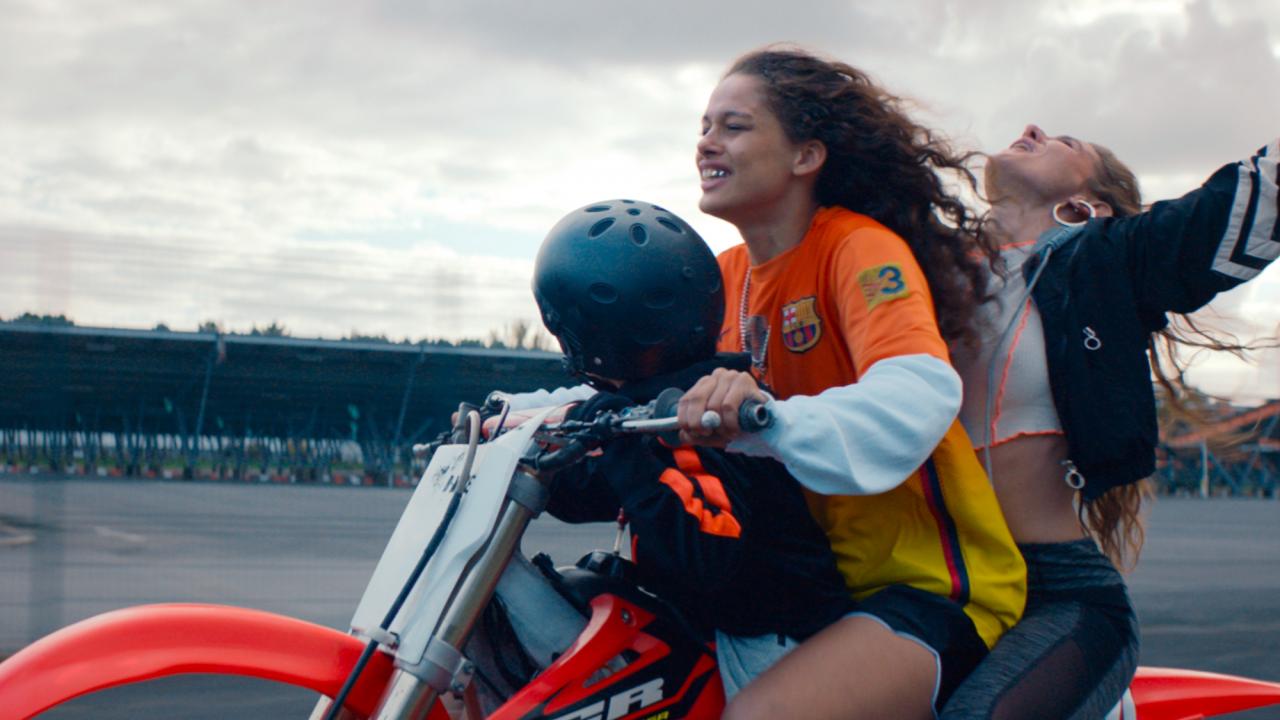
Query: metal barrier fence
pixel 219 457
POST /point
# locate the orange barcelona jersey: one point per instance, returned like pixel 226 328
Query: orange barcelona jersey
pixel 818 316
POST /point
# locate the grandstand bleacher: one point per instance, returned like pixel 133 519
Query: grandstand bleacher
pixel 190 404
pixel 1238 454
pixel 144 402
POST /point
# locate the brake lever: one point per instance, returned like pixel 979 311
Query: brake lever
pixel 496 402
pixel 558 459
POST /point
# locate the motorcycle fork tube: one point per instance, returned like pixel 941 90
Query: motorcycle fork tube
pixel 322 708
pixel 408 696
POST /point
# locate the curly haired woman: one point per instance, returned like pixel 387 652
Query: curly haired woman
pixel 855 271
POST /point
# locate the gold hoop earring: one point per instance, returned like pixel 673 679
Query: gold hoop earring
pixel 1066 223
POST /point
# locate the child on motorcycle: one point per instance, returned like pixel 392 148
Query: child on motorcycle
pixel 635 298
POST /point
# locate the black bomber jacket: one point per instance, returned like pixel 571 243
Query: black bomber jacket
pixel 1107 285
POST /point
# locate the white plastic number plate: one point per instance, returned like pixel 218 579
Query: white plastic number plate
pixel 491 474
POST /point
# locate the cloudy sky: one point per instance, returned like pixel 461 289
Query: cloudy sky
pixel 390 167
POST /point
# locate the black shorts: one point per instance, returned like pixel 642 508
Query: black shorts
pixel 935 622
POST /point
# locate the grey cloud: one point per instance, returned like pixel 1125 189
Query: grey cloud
pixel 183 144
pixel 341 67
pixel 1167 100
pixel 586 33
pixel 250 160
pixel 1216 81
pixel 490 67
pixel 136 281
pixel 144 208
pixel 459 170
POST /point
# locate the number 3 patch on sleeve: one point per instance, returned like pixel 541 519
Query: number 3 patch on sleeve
pixel 882 283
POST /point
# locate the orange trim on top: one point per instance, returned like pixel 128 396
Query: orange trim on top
pixel 1020 243
pixel 719 522
pixel 1015 436
pixel 1004 376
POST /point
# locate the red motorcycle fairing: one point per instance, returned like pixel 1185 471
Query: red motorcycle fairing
pixel 1170 694
pixel 152 641
pixel 666 676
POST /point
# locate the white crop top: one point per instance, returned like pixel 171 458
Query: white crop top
pixel 1013 378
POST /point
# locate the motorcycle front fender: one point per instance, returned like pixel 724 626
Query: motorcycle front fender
pixel 1172 694
pixel 153 641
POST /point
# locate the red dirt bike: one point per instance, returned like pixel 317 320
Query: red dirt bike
pixel 455 615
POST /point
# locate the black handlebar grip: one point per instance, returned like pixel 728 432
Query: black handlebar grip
pixel 667 404
pixel 571 452
pixel 753 416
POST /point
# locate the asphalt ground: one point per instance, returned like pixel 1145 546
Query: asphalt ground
pixel 1207 589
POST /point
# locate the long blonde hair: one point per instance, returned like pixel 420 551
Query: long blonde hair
pixel 1115 519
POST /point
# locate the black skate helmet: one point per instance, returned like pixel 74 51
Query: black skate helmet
pixel 629 290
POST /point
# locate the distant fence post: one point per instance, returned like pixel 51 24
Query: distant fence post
pixel 1204 469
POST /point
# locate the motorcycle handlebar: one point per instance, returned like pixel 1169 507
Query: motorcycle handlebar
pixel 581 437
pixel 659 419
pixel 561 457
pixel 753 416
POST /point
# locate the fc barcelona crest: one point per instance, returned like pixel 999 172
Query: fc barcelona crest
pixel 801 326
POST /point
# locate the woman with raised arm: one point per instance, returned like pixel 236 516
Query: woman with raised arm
pixel 856 268
pixel 1059 398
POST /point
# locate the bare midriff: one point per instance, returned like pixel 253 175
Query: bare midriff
pixel 1027 473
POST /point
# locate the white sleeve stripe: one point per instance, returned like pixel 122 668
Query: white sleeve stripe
pixel 1262 240
pixel 1226 244
pixel 1252 232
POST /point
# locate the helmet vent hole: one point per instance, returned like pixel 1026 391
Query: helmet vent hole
pixel 639 235
pixel 633 211
pixel 598 208
pixel 659 299
pixel 603 293
pixel 598 229
pixel 660 209
pixel 629 202
pixel 670 225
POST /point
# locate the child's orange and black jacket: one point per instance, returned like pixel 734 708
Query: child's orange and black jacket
pixel 726 537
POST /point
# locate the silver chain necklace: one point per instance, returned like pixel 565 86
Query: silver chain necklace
pixel 753 330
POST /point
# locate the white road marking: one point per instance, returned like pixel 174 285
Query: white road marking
pixel 11 536
pixel 128 537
